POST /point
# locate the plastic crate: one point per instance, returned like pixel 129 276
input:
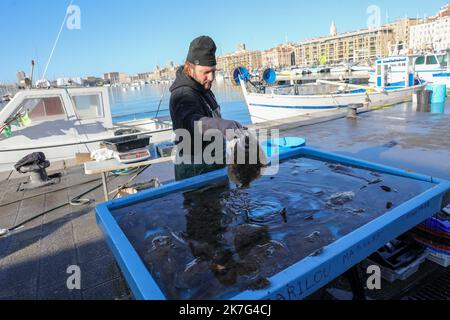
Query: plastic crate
pixel 402 273
pixel 440 223
pixel 125 144
pixel 165 149
pixel 441 259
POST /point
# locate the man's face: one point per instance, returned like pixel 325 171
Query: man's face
pixel 204 75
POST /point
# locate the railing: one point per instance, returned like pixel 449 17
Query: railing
pixel 139 115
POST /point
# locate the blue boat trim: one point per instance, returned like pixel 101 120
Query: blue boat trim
pixel 416 71
pixel 423 71
pixel 437 75
pixel 308 275
pixel 396 71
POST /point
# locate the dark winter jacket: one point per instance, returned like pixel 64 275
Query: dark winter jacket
pixel 189 102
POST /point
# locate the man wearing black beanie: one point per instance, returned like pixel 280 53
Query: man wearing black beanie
pixel 192 101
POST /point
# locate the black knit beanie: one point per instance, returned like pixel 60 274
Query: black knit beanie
pixel 202 52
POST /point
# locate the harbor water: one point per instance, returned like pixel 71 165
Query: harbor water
pixel 144 101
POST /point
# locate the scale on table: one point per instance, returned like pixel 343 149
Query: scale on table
pixel 130 149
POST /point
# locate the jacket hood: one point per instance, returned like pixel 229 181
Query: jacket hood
pixel 183 80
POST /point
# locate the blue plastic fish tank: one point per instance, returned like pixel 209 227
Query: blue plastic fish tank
pixel 309 219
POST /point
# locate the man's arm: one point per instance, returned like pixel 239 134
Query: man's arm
pixel 187 109
pixel 220 124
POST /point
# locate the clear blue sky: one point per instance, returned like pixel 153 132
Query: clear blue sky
pixel 135 35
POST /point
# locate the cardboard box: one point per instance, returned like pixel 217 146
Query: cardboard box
pixel 83 158
pixel 133 189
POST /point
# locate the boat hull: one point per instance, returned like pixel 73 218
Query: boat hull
pixel 269 107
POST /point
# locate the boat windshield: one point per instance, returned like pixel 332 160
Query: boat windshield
pixel 420 60
pixel 443 60
pixel 35 118
pixel 431 60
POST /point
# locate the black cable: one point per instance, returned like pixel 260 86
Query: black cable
pixel 77 201
pixel 4 232
pixel 44 193
pixel 123 173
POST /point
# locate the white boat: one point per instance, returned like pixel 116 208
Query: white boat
pixel 358 68
pixel 320 69
pixel 64 122
pixel 431 67
pixel 434 68
pixel 341 69
pixel 301 71
pixel 279 102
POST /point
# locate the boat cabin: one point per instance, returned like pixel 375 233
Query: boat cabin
pixel 46 116
pixel 63 122
pixel 394 73
pixel 432 62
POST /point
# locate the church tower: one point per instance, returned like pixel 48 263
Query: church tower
pixel 333 30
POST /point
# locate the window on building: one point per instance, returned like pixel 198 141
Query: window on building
pixel 88 106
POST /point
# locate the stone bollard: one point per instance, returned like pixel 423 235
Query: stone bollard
pixel 423 98
pixel 352 110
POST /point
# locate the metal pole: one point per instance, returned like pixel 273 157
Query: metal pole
pixel 105 187
pixel 32 73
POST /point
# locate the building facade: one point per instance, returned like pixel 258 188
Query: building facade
pixel 433 33
pixel 116 78
pixel 242 58
pixel 167 73
pixel 123 78
pixel 112 77
pixel 281 56
pixel 361 45
pixel 402 35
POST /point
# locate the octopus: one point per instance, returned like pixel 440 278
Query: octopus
pixel 243 174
